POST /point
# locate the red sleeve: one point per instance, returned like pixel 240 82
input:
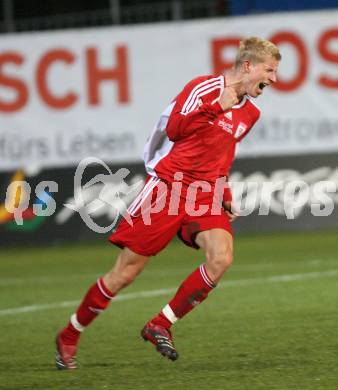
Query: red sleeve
pixel 180 125
pixel 223 190
pixel 225 172
pixel 227 195
pixel 190 113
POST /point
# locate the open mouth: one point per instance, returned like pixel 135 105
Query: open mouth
pixel 262 85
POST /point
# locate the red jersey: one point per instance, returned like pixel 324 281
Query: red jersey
pixel 195 136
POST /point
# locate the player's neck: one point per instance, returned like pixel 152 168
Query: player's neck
pixel 231 78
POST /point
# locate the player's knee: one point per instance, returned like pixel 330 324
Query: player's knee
pixel 127 278
pixel 228 260
pixel 218 262
pixel 125 270
pixel 223 261
pixel 118 279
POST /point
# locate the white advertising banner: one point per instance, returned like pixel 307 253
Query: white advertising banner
pixel 97 92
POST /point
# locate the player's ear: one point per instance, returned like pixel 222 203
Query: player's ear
pixel 246 66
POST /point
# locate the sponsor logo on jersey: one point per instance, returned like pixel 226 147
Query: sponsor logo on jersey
pixel 225 126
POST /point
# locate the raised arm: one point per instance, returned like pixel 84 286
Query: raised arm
pixel 200 102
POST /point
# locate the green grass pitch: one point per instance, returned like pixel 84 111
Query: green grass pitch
pixel 270 324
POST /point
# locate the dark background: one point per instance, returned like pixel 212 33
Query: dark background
pixel 32 15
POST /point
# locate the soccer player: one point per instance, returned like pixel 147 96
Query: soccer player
pixel 191 148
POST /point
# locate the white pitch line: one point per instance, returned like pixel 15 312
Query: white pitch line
pixel 166 291
pixel 238 267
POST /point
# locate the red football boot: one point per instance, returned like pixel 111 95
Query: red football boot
pixel 65 357
pixel 161 338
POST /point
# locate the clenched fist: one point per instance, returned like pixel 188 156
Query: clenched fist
pixel 228 98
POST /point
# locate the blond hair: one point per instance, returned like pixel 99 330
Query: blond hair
pixel 255 49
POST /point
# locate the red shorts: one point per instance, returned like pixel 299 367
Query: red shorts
pixel 158 214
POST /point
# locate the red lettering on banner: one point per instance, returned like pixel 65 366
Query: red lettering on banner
pixel 218 46
pixel 13 83
pixel 118 74
pixel 47 60
pixel 327 54
pixel 294 40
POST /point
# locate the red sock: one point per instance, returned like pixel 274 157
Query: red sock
pixel 96 300
pixel 191 292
